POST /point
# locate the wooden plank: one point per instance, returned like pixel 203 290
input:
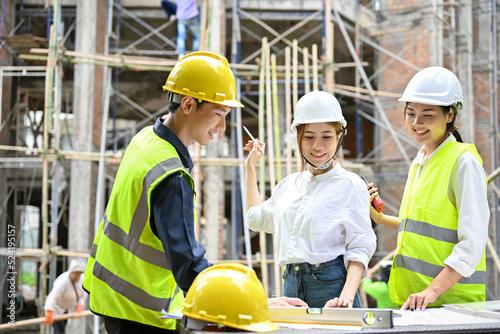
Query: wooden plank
pixel 37 321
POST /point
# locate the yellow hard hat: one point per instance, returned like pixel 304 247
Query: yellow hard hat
pixel 206 76
pixel 229 294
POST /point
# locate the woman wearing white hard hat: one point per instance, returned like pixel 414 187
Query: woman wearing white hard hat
pixel 443 218
pixel 66 294
pixel 320 216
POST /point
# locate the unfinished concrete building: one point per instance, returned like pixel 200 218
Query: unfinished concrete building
pixel 79 78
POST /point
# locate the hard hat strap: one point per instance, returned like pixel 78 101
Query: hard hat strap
pixel 339 145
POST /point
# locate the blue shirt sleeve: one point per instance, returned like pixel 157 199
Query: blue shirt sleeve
pixel 172 222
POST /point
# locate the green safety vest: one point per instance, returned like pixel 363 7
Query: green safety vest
pixel 427 233
pixel 128 275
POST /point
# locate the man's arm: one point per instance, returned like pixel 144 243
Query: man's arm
pixel 173 222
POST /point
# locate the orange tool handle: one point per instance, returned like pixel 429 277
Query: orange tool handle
pixel 377 202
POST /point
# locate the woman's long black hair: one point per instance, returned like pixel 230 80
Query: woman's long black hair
pixel 450 127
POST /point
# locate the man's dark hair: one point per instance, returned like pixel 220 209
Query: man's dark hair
pixel 173 106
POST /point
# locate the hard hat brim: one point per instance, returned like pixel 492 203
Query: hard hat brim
pixel 430 102
pixel 295 126
pixel 231 104
pixel 261 327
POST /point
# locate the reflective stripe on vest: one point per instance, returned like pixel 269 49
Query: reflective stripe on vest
pixel 128 290
pixel 127 259
pixel 428 230
pixel 431 270
pixel 427 233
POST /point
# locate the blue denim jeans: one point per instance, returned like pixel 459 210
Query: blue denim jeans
pixel 193 25
pixel 316 283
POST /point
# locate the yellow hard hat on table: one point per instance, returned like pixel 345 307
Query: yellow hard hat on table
pixel 229 294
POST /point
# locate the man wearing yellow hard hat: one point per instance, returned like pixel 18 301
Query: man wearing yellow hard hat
pixel 145 253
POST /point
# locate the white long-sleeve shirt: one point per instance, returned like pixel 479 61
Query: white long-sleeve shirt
pixel 317 218
pixel 467 191
pixel 65 294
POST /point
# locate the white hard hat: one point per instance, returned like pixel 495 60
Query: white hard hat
pixel 76 266
pixel 385 263
pixel 317 107
pixel 435 86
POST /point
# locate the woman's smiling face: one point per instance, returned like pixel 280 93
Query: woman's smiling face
pixel 319 143
pixel 427 124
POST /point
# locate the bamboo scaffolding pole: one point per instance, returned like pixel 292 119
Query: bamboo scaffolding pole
pixel 276 118
pixel 39 321
pixel 269 121
pixel 116 159
pixel 120 62
pixel 328 49
pixel 295 65
pixel 307 82
pixel 288 111
pixel 203 26
pixel 315 66
pixel 367 91
pixel 47 122
pixel 295 92
pixel 277 145
pixel 56 154
pixel 493 175
pixel 118 59
pixel 262 161
pixel 38 252
pixel 270 142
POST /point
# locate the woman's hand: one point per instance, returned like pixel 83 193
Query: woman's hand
pixel 379 217
pixel 256 149
pixel 419 301
pixel 285 302
pixel 340 302
pixel 374 214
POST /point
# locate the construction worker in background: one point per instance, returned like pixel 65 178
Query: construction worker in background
pixel 66 293
pixel 444 214
pixel 145 253
pixel 379 289
pixel 188 19
pixel 320 216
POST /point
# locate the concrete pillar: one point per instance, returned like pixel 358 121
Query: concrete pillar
pixel 81 170
pixel 436 40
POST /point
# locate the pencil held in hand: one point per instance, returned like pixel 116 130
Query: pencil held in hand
pixel 253 139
